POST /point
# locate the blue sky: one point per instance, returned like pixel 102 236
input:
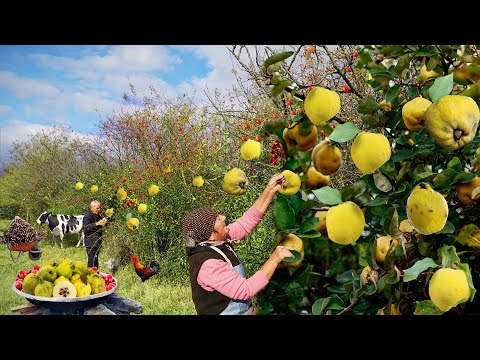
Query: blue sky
pixel 47 85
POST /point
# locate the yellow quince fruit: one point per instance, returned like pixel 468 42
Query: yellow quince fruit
pixel 235 182
pixel 340 215
pixel 292 183
pixel 109 212
pixel 427 209
pixel 79 186
pixel 153 189
pixel 452 120
pixel 94 188
pixel 141 208
pixel 469 193
pixel 383 245
pixel 251 149
pixel 316 179
pixel 300 136
pixel 132 224
pixel 326 157
pixel 370 151
pixel 424 74
pixel 368 276
pixel 448 287
pixel 321 105
pixel 322 223
pixel 413 113
pixel 121 194
pixel 293 241
pixel 198 181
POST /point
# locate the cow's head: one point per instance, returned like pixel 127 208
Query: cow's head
pixel 42 219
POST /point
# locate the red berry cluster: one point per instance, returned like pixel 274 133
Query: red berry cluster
pixel 276 149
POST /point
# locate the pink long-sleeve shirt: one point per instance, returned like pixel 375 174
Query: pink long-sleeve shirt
pixel 218 275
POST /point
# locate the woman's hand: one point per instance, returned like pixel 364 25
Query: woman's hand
pixel 280 253
pixel 276 181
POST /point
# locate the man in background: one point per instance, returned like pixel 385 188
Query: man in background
pixel 93 229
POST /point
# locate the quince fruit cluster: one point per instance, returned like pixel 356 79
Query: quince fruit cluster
pixel 64 278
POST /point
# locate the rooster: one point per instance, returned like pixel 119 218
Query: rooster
pixel 145 272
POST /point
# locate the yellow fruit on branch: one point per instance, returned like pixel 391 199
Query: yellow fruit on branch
pixel 132 224
pixel 153 189
pixel 387 106
pixel 121 194
pixel 370 151
pixel 424 74
pixel 345 223
pixel 321 105
pixel 368 276
pixel 235 182
pixel 94 188
pixel 251 149
pixel 316 179
pixel 141 208
pixel 109 212
pixel 198 181
pixel 300 136
pixel 448 288
pixel 452 120
pixel 405 226
pixel 293 241
pixel 292 183
pixel 322 223
pixel 326 157
pixel 413 113
pixel 79 186
pixel 469 193
pixel 383 245
pixel 427 209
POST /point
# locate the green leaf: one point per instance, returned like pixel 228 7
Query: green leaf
pixel 344 132
pixel 392 93
pixel 128 216
pixel 442 86
pixel 448 256
pixel 455 164
pixel 427 307
pixel 283 214
pixel 277 57
pixel 377 201
pixel 295 201
pixel 292 164
pixel 328 195
pixel 345 277
pixel 308 225
pixel 310 234
pixel 403 63
pixel 424 175
pixel 463 178
pixel 449 228
pixel 412 92
pixel 390 226
pixel 401 155
pixel 364 58
pixel 420 135
pixel 427 51
pixel 296 257
pixel 367 105
pixel 444 178
pixel 362 254
pixel 320 305
pixel 349 192
pixel 382 182
pixel 277 89
pixel 336 303
pixel 417 268
pixel 466 268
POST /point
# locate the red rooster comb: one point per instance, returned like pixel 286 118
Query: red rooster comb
pixel 134 258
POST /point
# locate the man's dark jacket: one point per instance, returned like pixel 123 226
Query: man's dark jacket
pixel 91 230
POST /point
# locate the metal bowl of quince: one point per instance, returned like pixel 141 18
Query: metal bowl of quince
pixel 69 303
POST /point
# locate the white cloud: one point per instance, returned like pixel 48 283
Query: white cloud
pixel 119 59
pixel 25 88
pixel 4 109
pixel 19 131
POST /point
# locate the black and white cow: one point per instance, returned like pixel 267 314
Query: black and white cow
pixel 60 225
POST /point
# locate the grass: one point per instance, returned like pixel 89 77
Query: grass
pixel 156 296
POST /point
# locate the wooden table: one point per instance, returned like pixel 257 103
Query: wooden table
pixel 110 305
